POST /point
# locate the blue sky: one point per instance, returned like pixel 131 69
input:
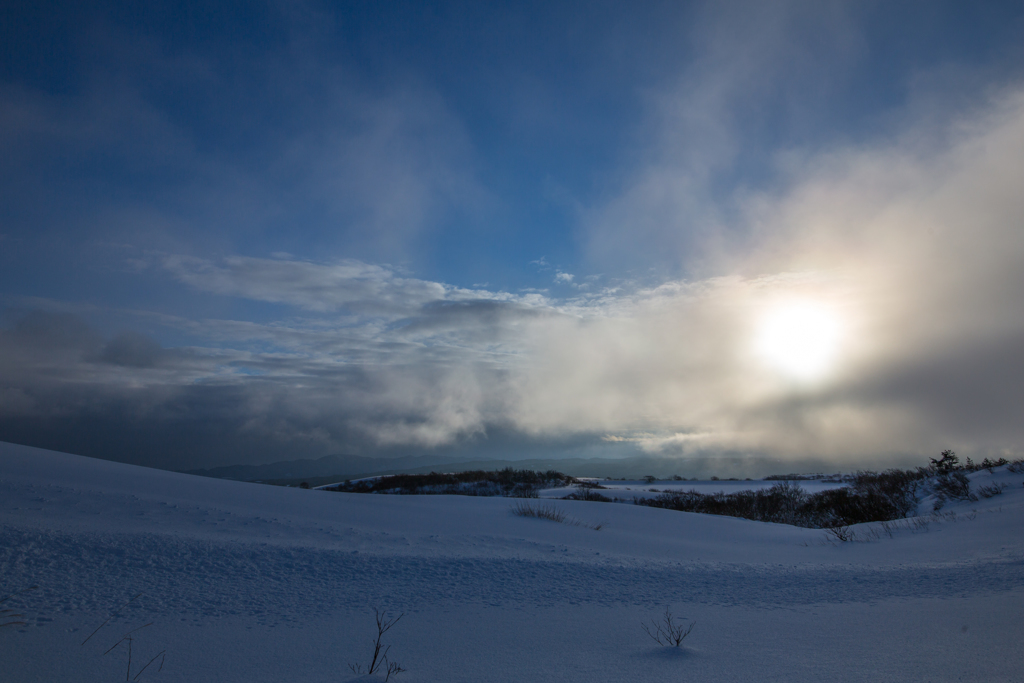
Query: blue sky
pixel 251 231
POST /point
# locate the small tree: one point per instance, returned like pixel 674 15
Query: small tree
pixel 650 479
pixel 667 631
pixel 380 659
pixel 947 463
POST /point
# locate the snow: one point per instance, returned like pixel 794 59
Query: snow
pixel 246 582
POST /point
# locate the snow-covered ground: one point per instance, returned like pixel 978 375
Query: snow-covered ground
pixel 244 582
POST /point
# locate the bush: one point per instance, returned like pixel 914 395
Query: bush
pixel 880 498
pixel 549 512
pixel 954 485
pixel 987 464
pixel 842 533
pixel 540 512
pixel 668 632
pixel 587 493
pixel 380 661
pixel 895 488
pixel 507 482
pixel 989 491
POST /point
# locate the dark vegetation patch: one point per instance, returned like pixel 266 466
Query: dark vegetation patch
pixel 834 478
pixel 506 482
pixel 869 497
pixel 954 485
pixel 585 490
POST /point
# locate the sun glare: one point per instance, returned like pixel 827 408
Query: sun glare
pixel 799 339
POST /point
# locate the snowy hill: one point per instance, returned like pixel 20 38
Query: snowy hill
pixel 242 582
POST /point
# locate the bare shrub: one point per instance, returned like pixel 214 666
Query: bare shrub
pixel 871 497
pixel 954 485
pixel 843 534
pixel 989 491
pixel 114 614
pixel 550 512
pixel 781 503
pixel 897 489
pixel 1017 466
pixel 585 491
pixel 668 632
pixel 162 655
pixel 523 490
pixel 380 661
pixel 913 524
pixel 128 641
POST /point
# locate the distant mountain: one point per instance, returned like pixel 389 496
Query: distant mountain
pixel 308 468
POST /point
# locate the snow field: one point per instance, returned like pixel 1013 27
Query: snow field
pixel 245 582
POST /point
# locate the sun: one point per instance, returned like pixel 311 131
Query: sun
pixel 799 339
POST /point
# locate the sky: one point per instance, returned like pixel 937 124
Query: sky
pixel 257 231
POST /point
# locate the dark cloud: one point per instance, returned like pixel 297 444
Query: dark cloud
pixel 474 320
pixel 64 387
pixel 50 332
pixel 132 349
pixel 966 395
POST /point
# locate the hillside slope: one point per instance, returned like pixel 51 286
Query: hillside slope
pixel 243 582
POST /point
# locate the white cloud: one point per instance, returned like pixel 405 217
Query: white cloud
pixel 348 284
pixel 564 278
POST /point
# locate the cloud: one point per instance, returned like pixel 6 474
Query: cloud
pixel 347 285
pixel 131 349
pixel 914 243
pixel 703 135
pixel 911 238
pixel 914 240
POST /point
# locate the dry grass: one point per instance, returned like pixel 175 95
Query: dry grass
pixel 9 617
pixel 551 513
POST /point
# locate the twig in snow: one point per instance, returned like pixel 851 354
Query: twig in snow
pixel 116 612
